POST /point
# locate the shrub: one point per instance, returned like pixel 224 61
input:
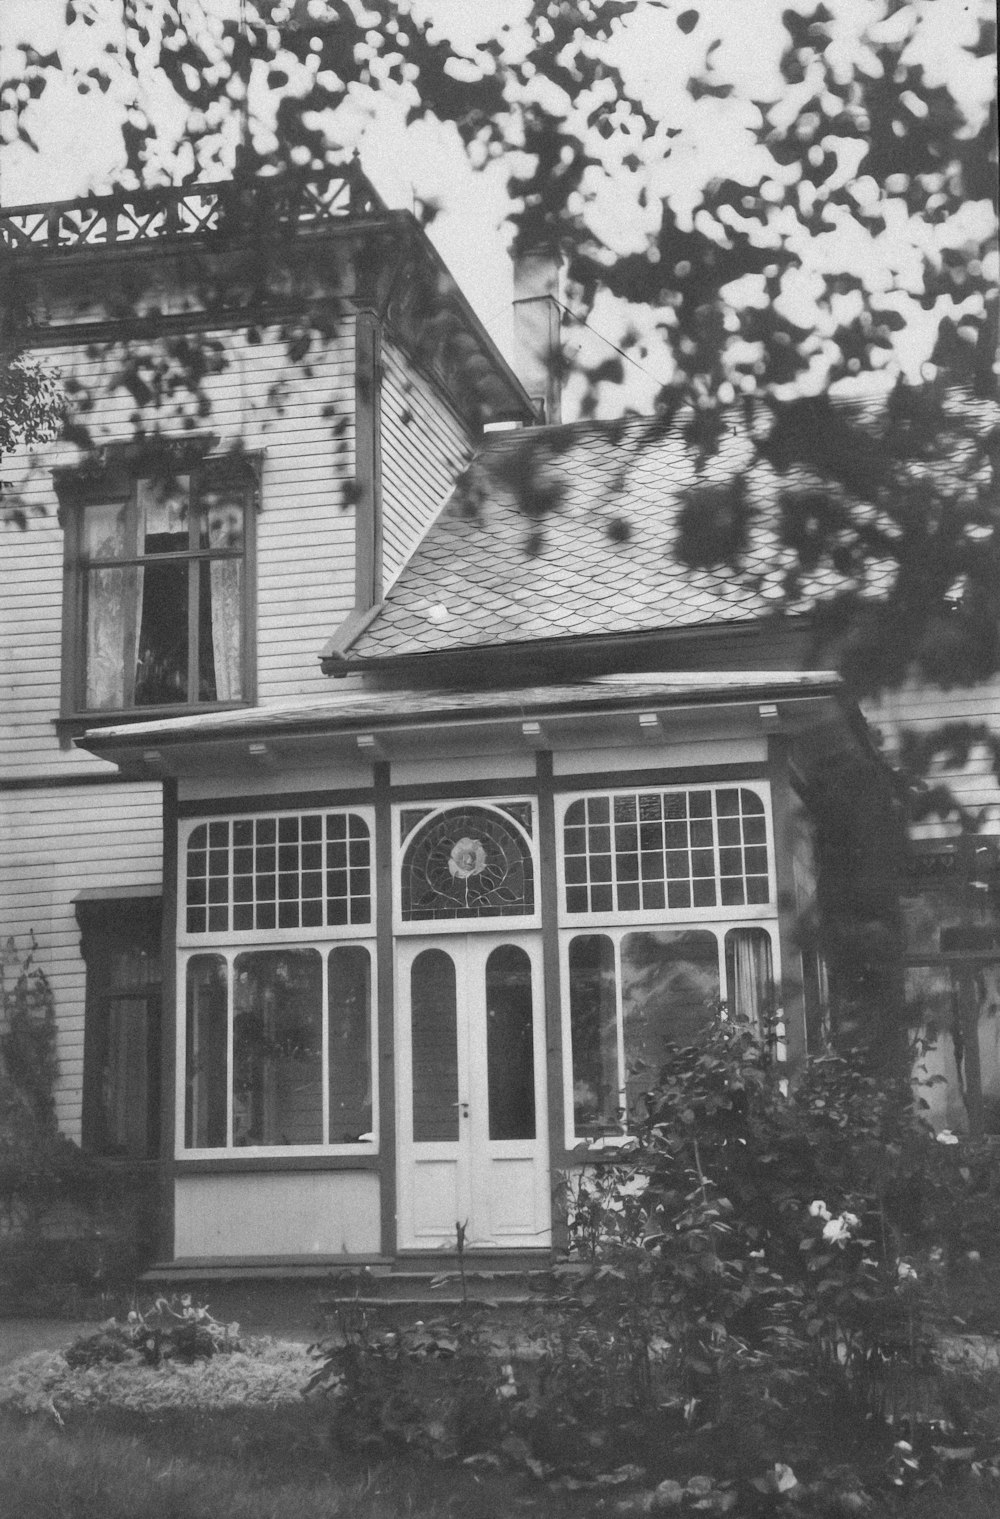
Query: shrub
pixel 68 1221
pixel 173 1328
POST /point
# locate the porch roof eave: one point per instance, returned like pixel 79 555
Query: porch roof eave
pixel 377 722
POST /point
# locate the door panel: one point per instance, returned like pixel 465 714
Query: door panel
pixel 471 1101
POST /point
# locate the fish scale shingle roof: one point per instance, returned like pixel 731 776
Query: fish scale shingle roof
pixel 526 547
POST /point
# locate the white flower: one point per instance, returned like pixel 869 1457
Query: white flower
pixel 946 1137
pixel 905 1272
pixel 818 1209
pixel 784 1478
pixel 467 859
pixel 839 1229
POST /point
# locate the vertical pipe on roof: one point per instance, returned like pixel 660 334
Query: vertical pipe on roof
pixel 537 329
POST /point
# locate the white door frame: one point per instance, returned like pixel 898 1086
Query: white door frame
pixel 499 1188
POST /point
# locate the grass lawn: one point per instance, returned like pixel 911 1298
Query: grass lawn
pixel 280 1464
pixel 238 1464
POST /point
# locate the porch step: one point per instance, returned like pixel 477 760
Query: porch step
pixel 435 1283
pixel 269 1268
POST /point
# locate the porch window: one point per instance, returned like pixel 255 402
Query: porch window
pixel 299 870
pixel 159 580
pixel 655 851
pixel 634 993
pixel 278 1048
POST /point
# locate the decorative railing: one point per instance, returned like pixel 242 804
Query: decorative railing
pixel 189 212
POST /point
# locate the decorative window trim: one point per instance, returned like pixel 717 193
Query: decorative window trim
pixel 249 1153
pixel 318 933
pixel 617 931
pixel 424 813
pixel 666 916
pixel 113 473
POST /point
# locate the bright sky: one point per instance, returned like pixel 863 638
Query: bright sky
pixel 80 147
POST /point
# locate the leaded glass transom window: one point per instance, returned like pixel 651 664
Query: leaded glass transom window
pixel 661 850
pixel 467 862
pixel 301 870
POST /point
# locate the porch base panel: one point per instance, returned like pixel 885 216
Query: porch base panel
pixel 295 1215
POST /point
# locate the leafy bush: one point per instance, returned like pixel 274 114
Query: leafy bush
pixel 68 1221
pixel 750 1287
pixel 173 1328
pixel 435 1388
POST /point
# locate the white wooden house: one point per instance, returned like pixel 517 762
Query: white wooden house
pixel 373 859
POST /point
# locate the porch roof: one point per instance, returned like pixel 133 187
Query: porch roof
pixel 577 531
pixel 356 720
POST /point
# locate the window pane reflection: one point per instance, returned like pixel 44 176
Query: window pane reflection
pixel 205 1117
pixel 670 995
pixel 594 1034
pixel 434 1033
pixel 510 1056
pixel 277 1048
pixel 350 1074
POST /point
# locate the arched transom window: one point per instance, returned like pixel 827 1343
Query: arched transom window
pixel 469 861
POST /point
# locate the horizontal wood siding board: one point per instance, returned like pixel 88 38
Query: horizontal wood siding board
pixel 423 447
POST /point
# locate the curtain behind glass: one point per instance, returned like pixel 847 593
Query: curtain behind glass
pixel 750 977
pixel 224 523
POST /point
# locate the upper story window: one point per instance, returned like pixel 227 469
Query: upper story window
pixel 159 586
pixel 656 851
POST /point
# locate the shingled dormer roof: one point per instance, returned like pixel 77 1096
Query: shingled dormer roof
pixel 577 531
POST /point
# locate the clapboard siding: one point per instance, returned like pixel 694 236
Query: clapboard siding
pixel 424 447
pixel 57 844
pixel 921 709
pixel 305 529
pixel 60 841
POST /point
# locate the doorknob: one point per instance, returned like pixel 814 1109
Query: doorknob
pixel 463 1108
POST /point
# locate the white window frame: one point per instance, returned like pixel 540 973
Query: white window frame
pixel 667 917
pixel 503 922
pixel 314 934
pixel 615 928
pixel 268 1152
pixel 228 944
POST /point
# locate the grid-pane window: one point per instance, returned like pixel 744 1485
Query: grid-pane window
pixel 652 851
pixel 308 870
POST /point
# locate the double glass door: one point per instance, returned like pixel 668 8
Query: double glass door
pixel 471 1095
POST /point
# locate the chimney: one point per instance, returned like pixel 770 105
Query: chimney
pixel 537 330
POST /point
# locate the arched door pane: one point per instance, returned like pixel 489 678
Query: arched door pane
pixel 510 1053
pixel 434 1035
